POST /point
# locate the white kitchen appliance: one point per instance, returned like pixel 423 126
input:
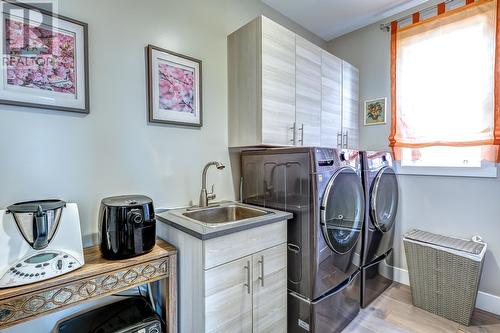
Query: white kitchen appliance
pixel 41 240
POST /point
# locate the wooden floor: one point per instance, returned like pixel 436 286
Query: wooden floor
pixel 393 312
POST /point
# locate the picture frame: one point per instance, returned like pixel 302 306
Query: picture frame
pixel 375 111
pixel 45 59
pixel 174 88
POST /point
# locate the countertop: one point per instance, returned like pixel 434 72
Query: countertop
pixel 206 231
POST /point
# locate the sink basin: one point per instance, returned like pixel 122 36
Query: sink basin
pixel 225 214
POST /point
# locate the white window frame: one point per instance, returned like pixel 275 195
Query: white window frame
pixel 485 171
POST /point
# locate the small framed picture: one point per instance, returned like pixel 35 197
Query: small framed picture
pixel 45 59
pixel 375 111
pixel 174 88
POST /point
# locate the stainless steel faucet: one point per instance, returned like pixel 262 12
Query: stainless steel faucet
pixel 204 195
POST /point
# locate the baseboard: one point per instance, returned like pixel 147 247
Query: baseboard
pixel 485 301
pixel 401 275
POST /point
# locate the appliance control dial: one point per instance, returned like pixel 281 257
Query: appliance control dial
pixel 136 216
pixel 155 328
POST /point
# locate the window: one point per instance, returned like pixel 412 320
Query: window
pixel 443 88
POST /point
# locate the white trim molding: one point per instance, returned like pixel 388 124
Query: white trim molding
pixel 486 171
pixel 487 302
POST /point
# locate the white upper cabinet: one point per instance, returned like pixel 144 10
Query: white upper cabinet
pixel 340 103
pixel 350 106
pixel 261 67
pixel 331 102
pixel 278 83
pixel 286 91
pixel 307 93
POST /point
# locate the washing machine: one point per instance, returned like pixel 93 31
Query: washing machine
pixel 381 194
pixel 323 190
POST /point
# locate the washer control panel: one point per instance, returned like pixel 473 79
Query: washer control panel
pixel 39 266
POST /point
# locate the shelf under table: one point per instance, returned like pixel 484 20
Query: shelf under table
pixel 99 277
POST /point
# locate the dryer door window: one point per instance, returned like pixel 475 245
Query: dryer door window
pixel 384 199
pixel 342 210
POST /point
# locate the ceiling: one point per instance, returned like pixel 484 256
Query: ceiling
pixel 332 18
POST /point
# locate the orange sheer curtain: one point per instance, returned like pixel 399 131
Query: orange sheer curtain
pixel 445 81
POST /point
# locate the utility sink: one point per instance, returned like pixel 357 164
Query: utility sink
pixel 224 214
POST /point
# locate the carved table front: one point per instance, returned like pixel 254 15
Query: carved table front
pixel 97 278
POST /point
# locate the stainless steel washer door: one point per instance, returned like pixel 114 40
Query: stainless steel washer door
pixel 384 199
pixel 342 210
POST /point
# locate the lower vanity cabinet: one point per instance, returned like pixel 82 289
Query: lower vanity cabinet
pixel 248 294
pixel 228 297
pixel 270 290
pixel 233 283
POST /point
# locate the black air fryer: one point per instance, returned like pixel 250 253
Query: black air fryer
pixel 128 226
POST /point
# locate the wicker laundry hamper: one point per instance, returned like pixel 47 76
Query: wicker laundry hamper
pixel 444 273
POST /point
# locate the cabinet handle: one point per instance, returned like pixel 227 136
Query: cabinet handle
pixel 339 139
pixel 261 278
pixel 294 248
pixel 294 133
pixel 301 140
pixel 346 141
pixel 247 268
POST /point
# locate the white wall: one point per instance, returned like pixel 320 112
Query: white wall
pixel 455 206
pixel 113 150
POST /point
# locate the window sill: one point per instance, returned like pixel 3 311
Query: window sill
pixel 482 172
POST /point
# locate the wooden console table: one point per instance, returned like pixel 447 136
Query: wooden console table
pixel 97 278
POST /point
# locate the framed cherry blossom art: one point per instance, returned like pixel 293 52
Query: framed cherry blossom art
pixel 45 59
pixel 174 88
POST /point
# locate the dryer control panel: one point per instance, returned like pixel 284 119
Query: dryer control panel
pixel 376 160
pixel 328 159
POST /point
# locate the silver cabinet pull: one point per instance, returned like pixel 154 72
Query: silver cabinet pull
pixel 346 139
pixel 241 189
pixel 294 248
pixel 301 140
pixel 339 139
pixel 247 267
pixel 294 134
pixel 261 278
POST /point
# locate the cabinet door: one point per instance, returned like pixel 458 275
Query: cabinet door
pixel 331 102
pixel 308 92
pixel 228 297
pixel 350 106
pixel 278 84
pixel 270 290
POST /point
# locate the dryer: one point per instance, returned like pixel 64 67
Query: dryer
pixel 381 195
pixel 322 188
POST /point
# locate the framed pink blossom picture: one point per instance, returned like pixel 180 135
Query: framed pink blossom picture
pixel 174 88
pixel 45 59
